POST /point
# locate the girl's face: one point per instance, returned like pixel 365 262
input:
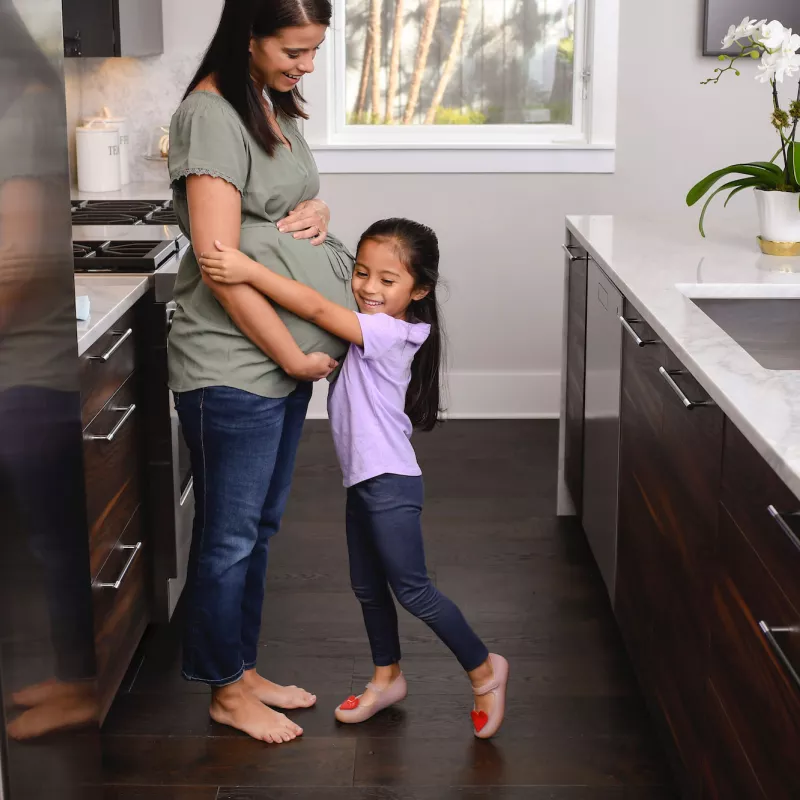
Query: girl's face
pixel 280 61
pixel 382 284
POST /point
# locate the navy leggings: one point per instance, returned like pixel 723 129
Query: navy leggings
pixel 384 540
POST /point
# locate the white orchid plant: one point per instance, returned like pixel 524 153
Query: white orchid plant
pixel 777 48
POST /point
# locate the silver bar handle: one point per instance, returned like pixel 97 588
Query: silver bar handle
pixel 778 650
pixel 187 491
pixel 123 337
pixel 626 323
pixel 134 548
pixel 687 403
pixel 109 437
pixel 783 525
pixel 568 248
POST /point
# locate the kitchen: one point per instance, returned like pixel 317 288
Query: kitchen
pixel 507 378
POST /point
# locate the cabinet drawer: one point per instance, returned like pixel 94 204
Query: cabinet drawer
pixel 764 509
pixel 112 466
pixel 106 365
pixel 120 608
pixel 751 666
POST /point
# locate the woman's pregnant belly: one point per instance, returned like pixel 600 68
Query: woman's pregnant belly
pixel 323 268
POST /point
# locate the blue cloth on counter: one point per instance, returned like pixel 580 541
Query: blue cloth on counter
pixel 82 307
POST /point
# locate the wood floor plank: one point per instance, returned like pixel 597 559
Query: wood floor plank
pixel 595 762
pixel 235 760
pixel 449 793
pixel 159 793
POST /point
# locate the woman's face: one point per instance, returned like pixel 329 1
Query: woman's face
pixel 280 61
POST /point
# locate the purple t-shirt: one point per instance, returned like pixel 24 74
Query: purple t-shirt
pixel 366 405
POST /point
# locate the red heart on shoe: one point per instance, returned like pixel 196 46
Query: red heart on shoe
pixel 349 704
pixel 479 719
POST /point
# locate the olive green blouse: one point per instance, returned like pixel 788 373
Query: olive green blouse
pixel 207 137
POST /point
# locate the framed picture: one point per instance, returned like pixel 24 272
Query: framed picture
pixel 721 14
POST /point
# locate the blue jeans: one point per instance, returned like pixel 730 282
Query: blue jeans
pixel 243 450
pixel 384 540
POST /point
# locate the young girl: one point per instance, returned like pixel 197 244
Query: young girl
pixel 389 382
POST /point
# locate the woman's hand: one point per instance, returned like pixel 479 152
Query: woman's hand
pixel 228 265
pixel 313 367
pixel 308 221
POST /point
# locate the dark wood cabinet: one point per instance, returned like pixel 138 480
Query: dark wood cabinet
pixel 577 266
pixel 119 550
pixel 670 464
pixel 707 595
pixel 755 622
pixel 641 582
pixel 108 28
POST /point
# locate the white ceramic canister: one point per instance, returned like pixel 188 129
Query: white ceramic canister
pixel 121 124
pixel 98 158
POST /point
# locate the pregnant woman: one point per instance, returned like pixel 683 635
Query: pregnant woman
pixel 240 368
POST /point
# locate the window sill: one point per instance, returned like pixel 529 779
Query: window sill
pixel 383 159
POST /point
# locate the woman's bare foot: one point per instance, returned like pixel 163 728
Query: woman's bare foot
pixel 480 677
pixel 236 706
pixel 41 693
pixel 57 706
pixel 272 694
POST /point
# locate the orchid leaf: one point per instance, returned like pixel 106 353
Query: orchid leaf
pixel 746 183
pixel 770 178
pixel 770 165
pixel 793 158
pixel 740 183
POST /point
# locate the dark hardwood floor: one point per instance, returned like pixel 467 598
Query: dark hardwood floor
pixel 576 727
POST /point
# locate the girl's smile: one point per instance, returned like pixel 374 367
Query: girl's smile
pixel 382 284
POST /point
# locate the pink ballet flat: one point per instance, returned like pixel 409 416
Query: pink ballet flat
pixel 486 725
pixel 352 711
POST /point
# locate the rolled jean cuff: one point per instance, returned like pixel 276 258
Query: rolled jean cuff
pixel 217 684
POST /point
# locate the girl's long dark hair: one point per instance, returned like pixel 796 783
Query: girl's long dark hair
pixel 418 249
pixel 228 58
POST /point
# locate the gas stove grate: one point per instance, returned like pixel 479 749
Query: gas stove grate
pixel 122 256
pixel 162 217
pixel 82 250
pixel 97 217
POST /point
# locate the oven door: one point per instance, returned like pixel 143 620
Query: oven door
pixel 183 495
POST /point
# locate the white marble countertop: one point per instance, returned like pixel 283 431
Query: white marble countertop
pixel 110 296
pixel 659 267
pixel 138 190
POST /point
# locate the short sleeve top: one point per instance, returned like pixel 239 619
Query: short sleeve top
pixel 371 431
pixel 207 137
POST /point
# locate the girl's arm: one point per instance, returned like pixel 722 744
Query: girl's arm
pixel 215 211
pixel 227 266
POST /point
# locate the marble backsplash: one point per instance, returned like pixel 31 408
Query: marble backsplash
pixel 145 90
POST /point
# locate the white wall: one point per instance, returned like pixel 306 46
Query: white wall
pixel 501 234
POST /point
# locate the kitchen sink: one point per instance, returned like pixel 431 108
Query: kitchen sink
pixel 767 328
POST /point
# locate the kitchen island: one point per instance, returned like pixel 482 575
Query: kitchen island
pixel 682 430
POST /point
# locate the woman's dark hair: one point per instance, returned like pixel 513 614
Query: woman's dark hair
pixel 418 249
pixel 228 58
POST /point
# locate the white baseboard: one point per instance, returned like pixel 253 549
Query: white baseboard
pixel 485 395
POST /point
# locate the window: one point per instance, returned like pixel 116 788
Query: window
pixel 466 86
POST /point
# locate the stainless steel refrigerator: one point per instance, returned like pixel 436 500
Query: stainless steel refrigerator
pixel 49 743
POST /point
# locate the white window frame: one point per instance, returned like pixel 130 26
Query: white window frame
pixel 586 146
